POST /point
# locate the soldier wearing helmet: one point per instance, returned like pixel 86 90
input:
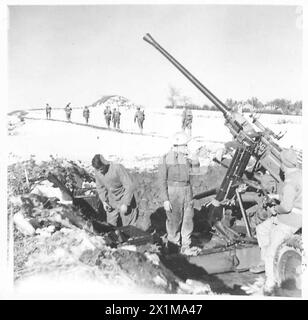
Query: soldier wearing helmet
pixel 116 117
pixel 139 116
pixel 86 114
pixel 48 111
pixel 107 114
pixel 176 191
pixel 68 111
pixel 187 118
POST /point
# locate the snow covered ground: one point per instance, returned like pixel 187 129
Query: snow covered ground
pixel 43 138
pixel 76 141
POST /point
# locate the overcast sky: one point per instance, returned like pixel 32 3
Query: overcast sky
pixel 61 54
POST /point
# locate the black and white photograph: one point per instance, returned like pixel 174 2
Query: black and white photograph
pixel 153 150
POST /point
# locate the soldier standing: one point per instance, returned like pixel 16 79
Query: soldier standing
pixel 184 119
pixel 175 178
pixel 48 111
pixel 188 121
pixel 107 113
pixel 86 114
pixel 139 116
pixel 116 190
pixel 68 111
pixel 116 115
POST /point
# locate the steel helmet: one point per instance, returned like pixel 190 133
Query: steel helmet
pixel 180 139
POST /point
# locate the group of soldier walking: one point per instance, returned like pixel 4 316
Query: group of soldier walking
pixel 110 116
pixel 68 111
pixel 114 117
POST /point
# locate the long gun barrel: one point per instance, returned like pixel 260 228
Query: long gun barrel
pixel 219 104
pixel 261 144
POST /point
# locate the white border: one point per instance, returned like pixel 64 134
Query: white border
pixel 6 273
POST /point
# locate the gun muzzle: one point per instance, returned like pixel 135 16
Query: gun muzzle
pixel 148 38
pixel 220 105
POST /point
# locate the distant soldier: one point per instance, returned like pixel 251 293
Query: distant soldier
pixel 48 111
pixel 187 118
pixel 107 113
pixel 184 119
pixel 68 112
pixel 139 116
pixel 116 116
pixel 86 114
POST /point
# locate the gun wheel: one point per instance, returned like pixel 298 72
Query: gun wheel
pixel 288 263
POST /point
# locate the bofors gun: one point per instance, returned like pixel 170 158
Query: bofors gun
pixel 255 143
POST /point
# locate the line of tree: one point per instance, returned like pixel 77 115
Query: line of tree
pixel 276 106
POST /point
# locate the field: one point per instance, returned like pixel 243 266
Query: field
pixel 42 138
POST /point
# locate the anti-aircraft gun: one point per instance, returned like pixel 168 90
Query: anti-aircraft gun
pixel 257 155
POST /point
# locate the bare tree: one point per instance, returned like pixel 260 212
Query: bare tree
pixel 282 104
pixel 173 97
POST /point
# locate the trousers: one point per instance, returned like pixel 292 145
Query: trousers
pixel 115 218
pixel 179 222
pixel 140 123
pixel 270 234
